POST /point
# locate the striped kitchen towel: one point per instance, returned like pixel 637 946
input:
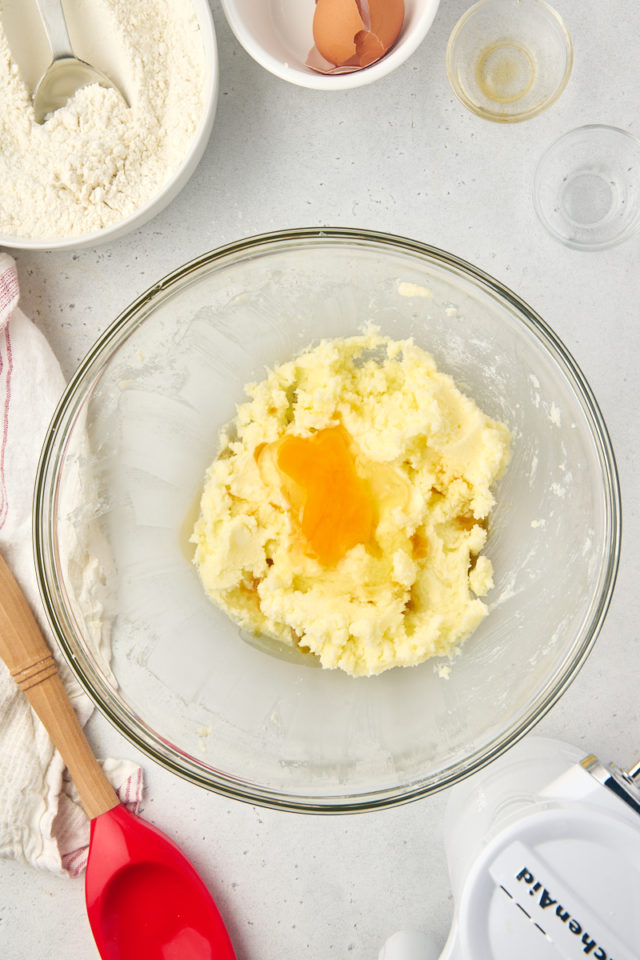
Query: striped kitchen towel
pixel 41 820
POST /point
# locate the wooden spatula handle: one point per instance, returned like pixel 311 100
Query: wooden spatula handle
pixel 25 652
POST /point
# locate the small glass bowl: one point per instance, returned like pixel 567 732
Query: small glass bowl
pixel 508 60
pixel 587 187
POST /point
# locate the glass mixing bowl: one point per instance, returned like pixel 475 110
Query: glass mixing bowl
pixel 119 483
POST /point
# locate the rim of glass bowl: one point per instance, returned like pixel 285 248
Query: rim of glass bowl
pixel 132 727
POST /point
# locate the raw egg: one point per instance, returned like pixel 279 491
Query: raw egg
pixel 338 508
pixel 351 34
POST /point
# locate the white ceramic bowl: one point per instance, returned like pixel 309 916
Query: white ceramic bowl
pixel 118 490
pixel 176 181
pixel 278 35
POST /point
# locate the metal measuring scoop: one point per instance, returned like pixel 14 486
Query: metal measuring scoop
pixel 66 73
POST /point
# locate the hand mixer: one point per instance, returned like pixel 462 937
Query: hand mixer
pixel 543 849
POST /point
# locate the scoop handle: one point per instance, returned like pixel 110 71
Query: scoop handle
pixel 55 26
pixel 26 653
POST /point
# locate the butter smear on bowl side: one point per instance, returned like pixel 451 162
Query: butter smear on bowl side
pixel 347 508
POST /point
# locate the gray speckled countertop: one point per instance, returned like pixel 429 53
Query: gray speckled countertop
pixel 401 156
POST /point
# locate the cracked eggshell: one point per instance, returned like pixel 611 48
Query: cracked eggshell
pixel 351 34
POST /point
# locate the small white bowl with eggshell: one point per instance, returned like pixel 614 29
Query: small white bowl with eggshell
pixel 295 39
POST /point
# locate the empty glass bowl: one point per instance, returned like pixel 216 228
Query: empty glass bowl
pixel 587 187
pixel 508 60
pixel 119 484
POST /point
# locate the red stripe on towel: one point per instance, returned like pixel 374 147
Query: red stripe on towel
pixel 6 369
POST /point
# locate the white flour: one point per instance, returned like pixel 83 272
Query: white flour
pixel 96 161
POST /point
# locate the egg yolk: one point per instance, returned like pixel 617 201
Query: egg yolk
pixel 338 509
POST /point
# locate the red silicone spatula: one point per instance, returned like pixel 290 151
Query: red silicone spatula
pixel 144 899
